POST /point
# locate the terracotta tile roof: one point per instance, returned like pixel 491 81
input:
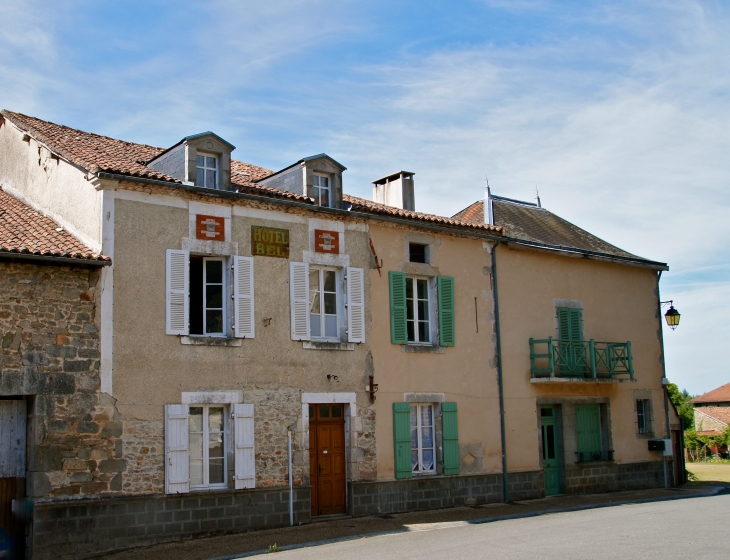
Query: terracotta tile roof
pixel 721 394
pixel 363 205
pixel 26 232
pixel 719 413
pixel 528 222
pixel 708 432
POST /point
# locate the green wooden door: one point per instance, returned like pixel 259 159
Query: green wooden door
pixel 550 461
pixel 572 354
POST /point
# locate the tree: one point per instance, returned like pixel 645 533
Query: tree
pixel 681 401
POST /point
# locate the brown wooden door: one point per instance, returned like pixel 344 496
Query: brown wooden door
pixel 327 458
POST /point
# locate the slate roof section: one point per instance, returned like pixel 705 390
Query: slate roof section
pixel 524 221
pixel 719 413
pixel 721 394
pixel 24 231
pixel 362 205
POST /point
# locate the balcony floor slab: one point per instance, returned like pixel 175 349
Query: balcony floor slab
pixel 578 380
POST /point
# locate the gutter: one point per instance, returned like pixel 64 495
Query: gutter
pixel 306 206
pixel 505 489
pixel 54 260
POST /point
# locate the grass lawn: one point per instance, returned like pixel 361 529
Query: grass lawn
pixel 710 472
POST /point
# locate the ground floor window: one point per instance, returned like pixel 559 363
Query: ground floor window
pixel 423 440
pixel 643 416
pixel 207 436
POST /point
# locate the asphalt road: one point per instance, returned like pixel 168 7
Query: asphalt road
pixel 696 528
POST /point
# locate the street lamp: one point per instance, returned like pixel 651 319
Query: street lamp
pixel 672 315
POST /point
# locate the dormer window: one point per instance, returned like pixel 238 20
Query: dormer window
pixel 206 171
pixel 322 191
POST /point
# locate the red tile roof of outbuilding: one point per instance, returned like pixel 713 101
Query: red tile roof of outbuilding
pixel 721 394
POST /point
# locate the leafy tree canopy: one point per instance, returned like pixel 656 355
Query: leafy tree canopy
pixel 685 409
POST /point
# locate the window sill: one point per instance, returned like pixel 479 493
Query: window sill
pixel 315 345
pixel 210 341
pixel 422 349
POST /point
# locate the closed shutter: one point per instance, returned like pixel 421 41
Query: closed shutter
pixel 355 305
pixel 588 430
pixel 299 300
pixel 398 330
pixel 450 427
pixel 176 297
pixel 13 415
pixel 177 456
pixel 243 307
pixel 402 439
pixel 569 323
pixel 244 454
pixel 447 334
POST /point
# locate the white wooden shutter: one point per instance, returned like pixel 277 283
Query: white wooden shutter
pixel 244 452
pixel 177 454
pixel 176 298
pixel 355 305
pixel 243 309
pixel 299 299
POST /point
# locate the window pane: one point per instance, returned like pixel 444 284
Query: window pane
pixel 330 326
pixel 316 180
pixel 411 331
pixel 314 279
pixel 214 297
pixel 314 302
pixel 336 412
pixel 200 161
pixel 324 411
pixel 409 288
pixel 414 415
pixel 428 463
pixel 324 198
pixel 210 162
pixel 422 289
pixel 196 445
pixel 414 437
pixel 426 415
pixel 414 459
pixel 213 272
pixel 329 281
pixel 410 310
pixel 423 310
pixel 315 325
pixel 214 321
pixel 195 419
pixel 200 177
pixel 550 442
pixel 311 411
pixel 330 304
pixel 215 419
pixel 215 446
pixel 324 182
pixel 210 180
pixel 196 472
pixel 427 437
pixel 423 334
pixel 215 474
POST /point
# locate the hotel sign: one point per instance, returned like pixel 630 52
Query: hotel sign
pixel 269 242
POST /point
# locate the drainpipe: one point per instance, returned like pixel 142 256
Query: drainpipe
pixel 505 491
pixel 667 429
pixel 291 483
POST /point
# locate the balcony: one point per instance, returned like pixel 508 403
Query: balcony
pixel 580 360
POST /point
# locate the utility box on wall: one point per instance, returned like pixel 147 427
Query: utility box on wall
pixel 663 446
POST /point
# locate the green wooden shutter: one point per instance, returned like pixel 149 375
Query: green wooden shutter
pixel 447 334
pixel 569 323
pixel 588 429
pixel 398 330
pixel 450 427
pixel 402 439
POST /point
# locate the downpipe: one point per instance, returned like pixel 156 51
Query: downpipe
pixel 291 480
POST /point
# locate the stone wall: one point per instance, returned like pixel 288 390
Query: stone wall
pixel 593 478
pixel 93 528
pixel 50 355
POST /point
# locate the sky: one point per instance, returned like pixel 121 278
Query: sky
pixel 617 112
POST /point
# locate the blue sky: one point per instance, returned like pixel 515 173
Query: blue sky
pixel 619 112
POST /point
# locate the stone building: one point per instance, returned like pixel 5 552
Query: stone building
pixel 240 312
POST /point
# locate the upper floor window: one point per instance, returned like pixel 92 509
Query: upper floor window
pixel 418 252
pixel 323 303
pixel 207 301
pixel 322 190
pixel 418 310
pixel 206 171
pixel 207 438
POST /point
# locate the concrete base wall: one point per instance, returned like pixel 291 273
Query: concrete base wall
pixel 593 478
pixel 92 528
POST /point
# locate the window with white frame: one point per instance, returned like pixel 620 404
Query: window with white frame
pixel 209 296
pixel 643 416
pixel 322 190
pixel 423 439
pixel 418 310
pixel 323 303
pixel 206 168
pixel 208 444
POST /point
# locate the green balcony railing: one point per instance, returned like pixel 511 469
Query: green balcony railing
pixel 580 358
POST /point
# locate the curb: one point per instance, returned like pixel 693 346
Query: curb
pixel 447 524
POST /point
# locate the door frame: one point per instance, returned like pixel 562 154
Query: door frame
pixel 559 442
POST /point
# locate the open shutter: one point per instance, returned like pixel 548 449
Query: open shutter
pixel 299 299
pixel 243 297
pixel 177 456
pixel 245 460
pixel 447 335
pixel 355 305
pixel 569 323
pixel 450 426
pixel 176 297
pixel 402 439
pixel 588 429
pixel 398 330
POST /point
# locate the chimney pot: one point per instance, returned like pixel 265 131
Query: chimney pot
pixel 395 190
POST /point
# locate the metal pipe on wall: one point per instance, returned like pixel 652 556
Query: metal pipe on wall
pixel 505 489
pixel 291 481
